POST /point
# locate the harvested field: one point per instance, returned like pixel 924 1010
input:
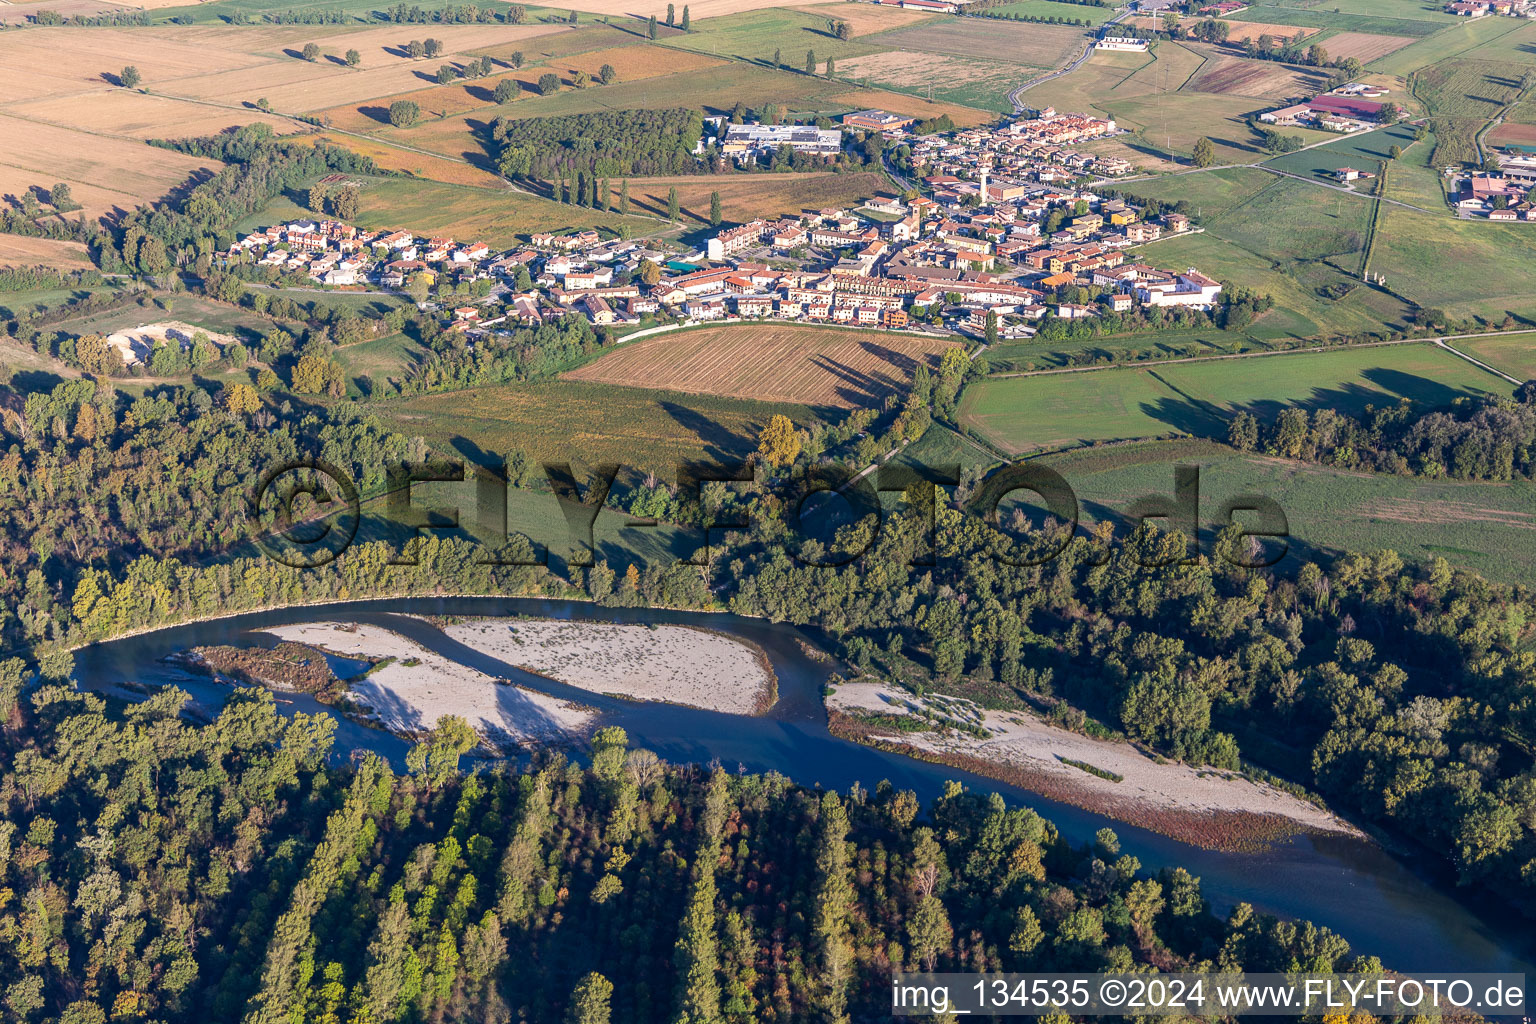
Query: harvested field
pixel 17 14
pixel 699 11
pixel 745 196
pixel 141 116
pixel 422 165
pixel 20 251
pixel 770 363
pixel 1363 46
pixel 1262 79
pixel 582 39
pixel 103 172
pixel 867 18
pixel 635 62
pixel 1242 31
pixel 437 101
pixel 1040 46
pixel 83 55
pixel 1512 134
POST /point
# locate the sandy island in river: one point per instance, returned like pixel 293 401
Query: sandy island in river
pixel 410 698
pixel 1203 805
pixel 675 664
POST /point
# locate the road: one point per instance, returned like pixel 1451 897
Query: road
pixel 1013 97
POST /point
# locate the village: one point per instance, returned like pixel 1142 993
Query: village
pixel 1004 234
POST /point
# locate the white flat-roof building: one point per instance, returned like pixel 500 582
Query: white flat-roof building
pixel 744 139
pixel 1122 43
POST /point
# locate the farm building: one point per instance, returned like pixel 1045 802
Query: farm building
pixel 1345 106
pixel 1122 43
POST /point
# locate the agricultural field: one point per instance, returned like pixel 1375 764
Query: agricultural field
pixel 1039 46
pixel 753 36
pixel 1050 9
pixel 1512 133
pixel 1489 276
pixel 497 218
pixel 819 367
pixel 1061 410
pixel 1515 354
pixel 21 251
pixel 1262 79
pixel 1471 89
pixel 1242 31
pixel 1451 41
pixel 867 19
pixel 105 174
pixel 1363 46
pixel 591 423
pixel 1385 23
pixel 1362 151
pixel 746 196
pixel 1483 527
pixel 964 80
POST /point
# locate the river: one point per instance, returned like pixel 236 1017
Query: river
pixel 1404 909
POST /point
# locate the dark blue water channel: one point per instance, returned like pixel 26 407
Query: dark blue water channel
pixel 1404 908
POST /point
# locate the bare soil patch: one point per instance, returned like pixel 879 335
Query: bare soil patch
pixel 1511 134
pixel 771 362
pixel 137 343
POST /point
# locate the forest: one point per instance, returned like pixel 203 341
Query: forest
pixel 1400 691
pixel 159 870
pixel 610 143
pixel 1473 440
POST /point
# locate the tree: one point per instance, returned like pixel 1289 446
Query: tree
pixel 1395 152
pixel 831 70
pixel 624 200
pixel 239 399
pixel 433 47
pixel 549 83
pixel 506 90
pixel 517 59
pixel 589 1001
pixel 607 75
pixel 650 27
pixel 404 113
pixel 61 197
pixel 715 215
pixel 415 49
pixel 1391 114
pixel 353 58
pixel 446 73
pixel 648 272
pixel 571 18
pixel 685 19
pixel 673 210
pixel 129 77
pixel 991 332
pixel 778 59
pixel 311 52
pixel 1243 434
pixel 671 20
pixel 1316 55
pixel 1205 152
pixel 779 443
pixel 843 31
pixel 810 62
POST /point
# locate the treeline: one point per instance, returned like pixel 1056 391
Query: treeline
pixel 24 279
pixel 1475 440
pixel 613 143
pixel 453 14
pixel 165 871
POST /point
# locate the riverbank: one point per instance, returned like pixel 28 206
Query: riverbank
pixel 412 688
pixel 1207 807
pixel 684 665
